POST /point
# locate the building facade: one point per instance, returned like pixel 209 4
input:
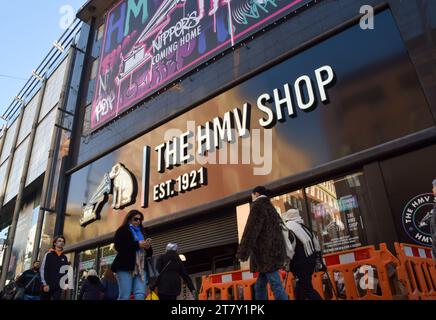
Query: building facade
pixel 33 142
pixel 185 106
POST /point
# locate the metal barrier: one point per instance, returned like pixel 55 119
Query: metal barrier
pixel 417 270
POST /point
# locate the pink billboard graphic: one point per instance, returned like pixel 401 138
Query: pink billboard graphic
pixel 149 43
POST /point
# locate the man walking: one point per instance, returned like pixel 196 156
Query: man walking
pixel 30 280
pixel 262 242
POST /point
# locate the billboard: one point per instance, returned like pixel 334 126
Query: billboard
pixel 149 43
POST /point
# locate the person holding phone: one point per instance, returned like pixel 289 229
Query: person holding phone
pixel 132 246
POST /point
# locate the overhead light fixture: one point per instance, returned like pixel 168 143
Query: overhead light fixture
pixel 182 257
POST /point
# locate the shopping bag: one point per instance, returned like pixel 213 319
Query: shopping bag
pixel 152 296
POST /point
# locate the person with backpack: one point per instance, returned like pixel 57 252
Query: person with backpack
pixel 53 270
pixel 171 269
pixel 91 289
pixel 133 247
pixel 306 253
pixel 30 282
pixel 263 242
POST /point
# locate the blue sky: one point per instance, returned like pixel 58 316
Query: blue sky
pixel 28 29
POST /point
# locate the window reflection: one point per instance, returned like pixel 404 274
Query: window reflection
pixel 87 261
pixel 335 209
pixel 292 200
pixel 107 256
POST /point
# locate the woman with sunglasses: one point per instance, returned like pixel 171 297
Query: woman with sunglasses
pixel 132 248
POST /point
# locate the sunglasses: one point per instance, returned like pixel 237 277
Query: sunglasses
pixel 137 219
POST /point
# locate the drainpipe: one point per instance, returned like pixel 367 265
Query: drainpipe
pixel 46 193
pixel 19 200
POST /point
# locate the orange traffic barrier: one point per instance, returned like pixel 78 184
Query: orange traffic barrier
pixel 417 270
pixel 359 274
pixel 235 285
pixel 363 273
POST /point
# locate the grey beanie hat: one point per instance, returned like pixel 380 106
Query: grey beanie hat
pixel 434 182
pixel 172 246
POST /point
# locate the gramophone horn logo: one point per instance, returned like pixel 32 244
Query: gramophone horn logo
pixel 120 183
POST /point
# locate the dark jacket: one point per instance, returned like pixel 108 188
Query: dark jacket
pixel 262 239
pixel 91 289
pixel 126 247
pixel 300 264
pixel 31 281
pixel 111 290
pixel 169 279
pixel 51 269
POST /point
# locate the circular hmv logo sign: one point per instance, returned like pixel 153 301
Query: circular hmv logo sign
pixel 417 217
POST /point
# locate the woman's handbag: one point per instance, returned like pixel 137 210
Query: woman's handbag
pixel 153 282
pixel 153 273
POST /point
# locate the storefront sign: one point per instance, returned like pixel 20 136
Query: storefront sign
pixel 347 203
pixel 104 261
pixel 87 265
pixel 416 218
pixel 294 121
pixel 234 124
pixel 147 44
pixel 120 183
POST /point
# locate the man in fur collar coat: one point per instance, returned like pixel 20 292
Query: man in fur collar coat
pixel 262 242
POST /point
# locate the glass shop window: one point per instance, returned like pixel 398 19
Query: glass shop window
pixel 333 209
pixel 336 212
pixel 292 200
pixel 87 261
pixel 107 256
pixel 95 62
